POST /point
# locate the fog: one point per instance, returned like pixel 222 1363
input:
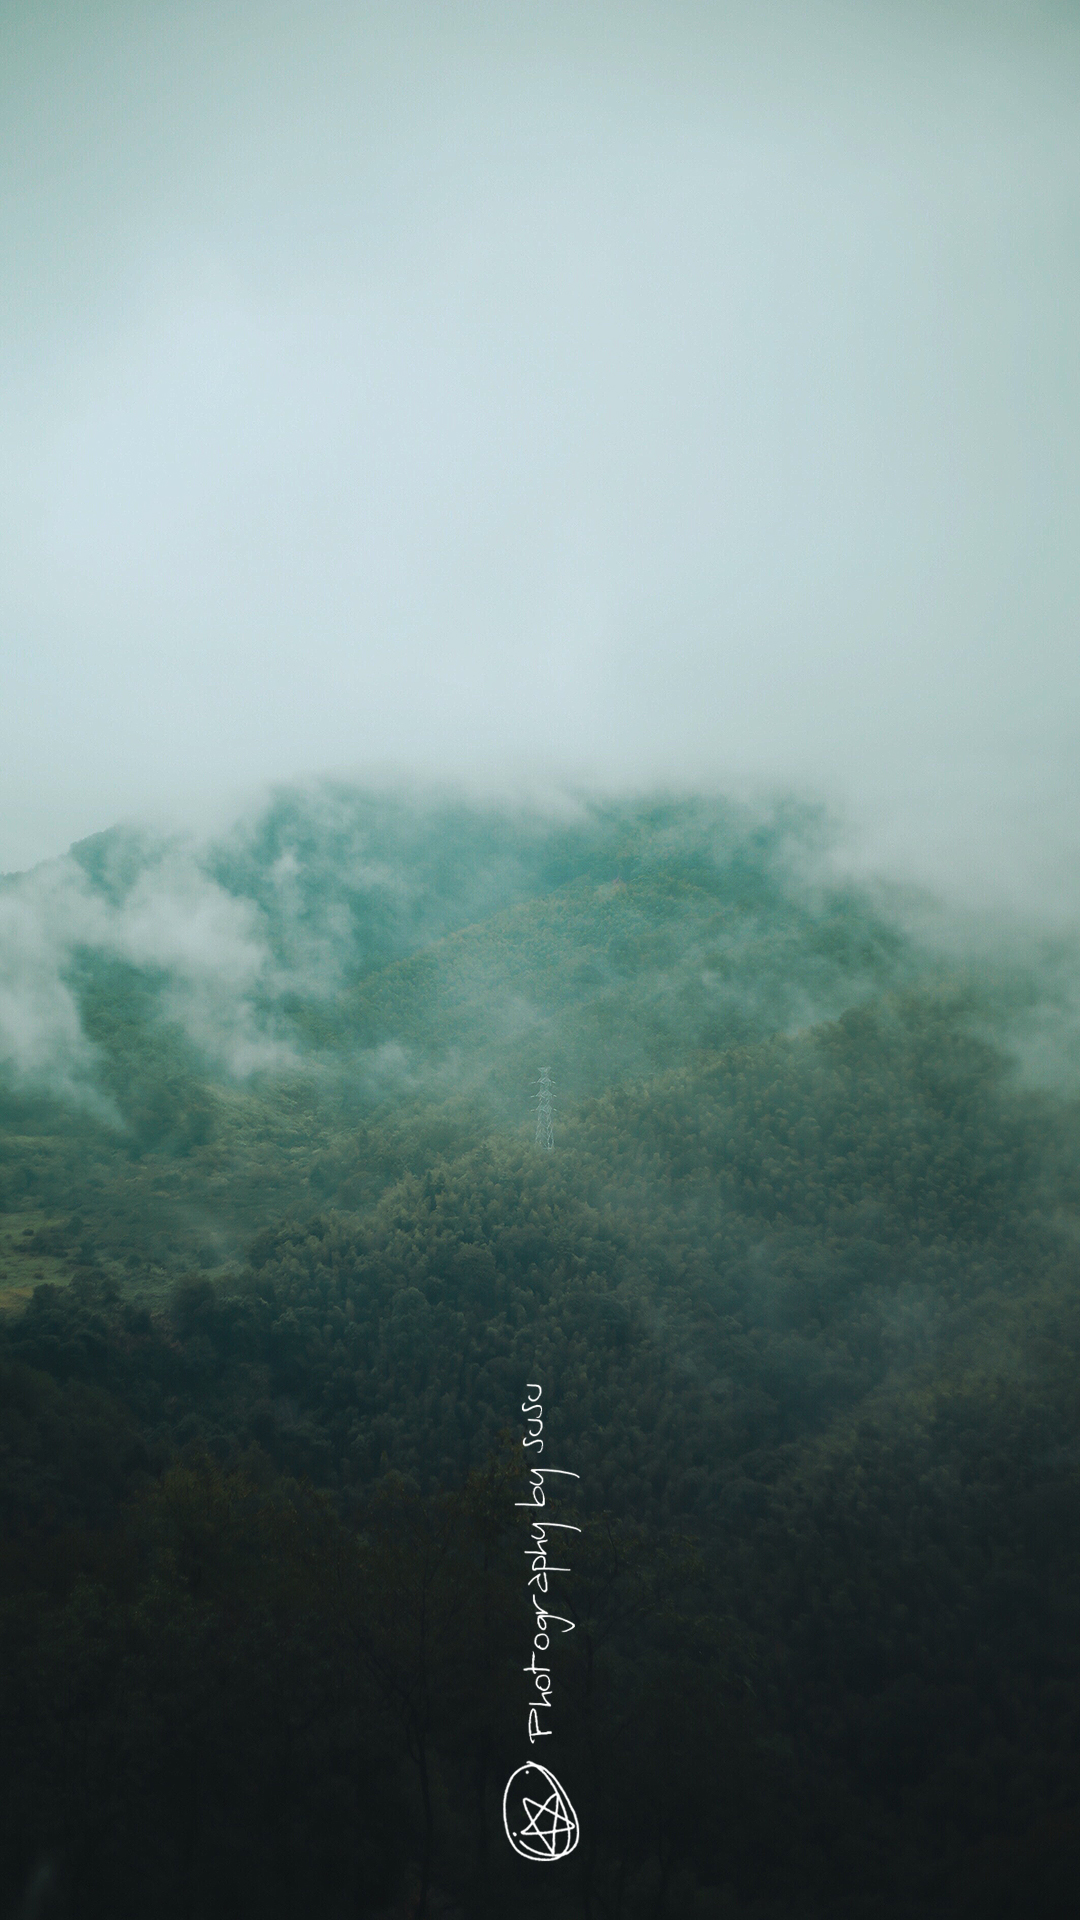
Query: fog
pixel 533 395
pixel 174 923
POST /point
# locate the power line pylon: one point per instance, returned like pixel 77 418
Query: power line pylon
pixel 545 1130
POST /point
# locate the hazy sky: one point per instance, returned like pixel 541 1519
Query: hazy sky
pixel 546 391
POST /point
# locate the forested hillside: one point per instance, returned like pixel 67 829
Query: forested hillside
pixel 799 1279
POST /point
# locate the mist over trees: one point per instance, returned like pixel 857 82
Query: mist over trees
pixel 278 1254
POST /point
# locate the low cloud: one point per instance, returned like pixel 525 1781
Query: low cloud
pixel 174 921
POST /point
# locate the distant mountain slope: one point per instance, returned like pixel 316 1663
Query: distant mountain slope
pixel 613 979
pixel 225 1075
pixel 204 1039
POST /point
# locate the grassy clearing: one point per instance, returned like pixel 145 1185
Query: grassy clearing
pixel 24 1264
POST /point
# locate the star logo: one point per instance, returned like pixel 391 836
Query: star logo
pixel 540 1823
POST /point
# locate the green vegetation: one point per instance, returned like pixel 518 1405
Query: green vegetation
pixel 799 1281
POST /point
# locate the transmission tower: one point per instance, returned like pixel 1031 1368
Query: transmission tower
pixel 545 1133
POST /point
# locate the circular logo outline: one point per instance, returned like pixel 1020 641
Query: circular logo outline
pixel 563 1821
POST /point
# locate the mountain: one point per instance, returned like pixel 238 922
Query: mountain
pixel 294 1015
pixel 798 1282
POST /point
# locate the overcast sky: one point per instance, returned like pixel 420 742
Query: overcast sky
pixel 540 392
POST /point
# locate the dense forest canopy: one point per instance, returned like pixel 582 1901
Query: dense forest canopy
pixel 278 1253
